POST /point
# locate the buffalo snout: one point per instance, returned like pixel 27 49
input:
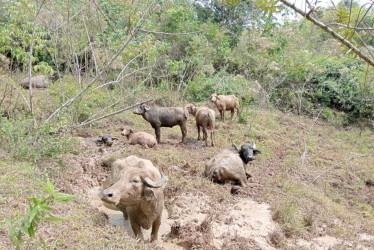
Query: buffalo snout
pixel 140 109
pixel 250 158
pixel 108 193
pixel 109 196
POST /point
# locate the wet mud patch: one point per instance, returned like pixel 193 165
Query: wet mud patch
pixel 197 213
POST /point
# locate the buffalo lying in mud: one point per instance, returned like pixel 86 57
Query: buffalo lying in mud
pixel 136 188
pixel 164 117
pixel 230 164
pixel 141 138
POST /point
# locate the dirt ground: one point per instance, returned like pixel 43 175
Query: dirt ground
pixel 197 213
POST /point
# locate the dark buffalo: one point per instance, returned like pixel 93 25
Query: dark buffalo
pixel 164 117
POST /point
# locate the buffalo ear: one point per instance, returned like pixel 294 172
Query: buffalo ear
pixel 256 151
pixel 149 194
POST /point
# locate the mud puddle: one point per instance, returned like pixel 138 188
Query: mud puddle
pixel 245 219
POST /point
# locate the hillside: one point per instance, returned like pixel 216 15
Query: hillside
pixel 312 187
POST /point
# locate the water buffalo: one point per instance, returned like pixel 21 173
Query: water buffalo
pixel 37 82
pixel 205 118
pixel 164 117
pixel 225 102
pixel 106 140
pixel 135 187
pixel 230 164
pixel 141 138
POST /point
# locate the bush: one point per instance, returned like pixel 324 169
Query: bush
pixel 221 83
pixel 336 88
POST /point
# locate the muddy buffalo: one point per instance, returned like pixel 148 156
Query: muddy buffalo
pixel 230 164
pixel 136 187
pixel 164 117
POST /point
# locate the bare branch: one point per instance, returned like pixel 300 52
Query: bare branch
pixel 349 27
pixel 129 38
pixel 174 34
pixel 90 43
pixel 19 91
pixel 114 113
pixel 120 78
pixel 333 33
pixel 30 55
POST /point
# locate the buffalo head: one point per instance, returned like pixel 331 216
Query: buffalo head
pixel 136 184
pixel 213 97
pixel 247 151
pixel 141 109
pixel 191 108
pixel 126 131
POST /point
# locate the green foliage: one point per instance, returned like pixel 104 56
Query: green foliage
pixel 222 83
pixel 22 231
pixel 15 37
pixel 85 106
pixel 268 6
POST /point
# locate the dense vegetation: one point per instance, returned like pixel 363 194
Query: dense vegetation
pixel 229 49
pixel 110 54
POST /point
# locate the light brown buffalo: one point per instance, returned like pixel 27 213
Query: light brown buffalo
pixel 136 188
pixel 206 119
pixel 225 102
pixel 141 138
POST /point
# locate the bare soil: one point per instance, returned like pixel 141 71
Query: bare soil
pixel 199 213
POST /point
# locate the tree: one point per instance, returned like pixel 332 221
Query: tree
pixel 354 24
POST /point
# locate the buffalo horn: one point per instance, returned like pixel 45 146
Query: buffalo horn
pixel 236 147
pixel 155 184
pixel 253 144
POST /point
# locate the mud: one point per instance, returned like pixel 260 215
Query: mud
pixel 191 220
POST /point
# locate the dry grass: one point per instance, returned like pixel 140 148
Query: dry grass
pixel 315 177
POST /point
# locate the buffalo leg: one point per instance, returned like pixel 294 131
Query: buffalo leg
pixel 205 136
pixel 198 132
pixel 232 113
pixel 222 115
pixel 155 226
pixel 125 215
pixel 158 134
pixel 137 230
pixel 211 137
pixel 184 131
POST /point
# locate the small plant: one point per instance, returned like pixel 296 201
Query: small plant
pixel 22 231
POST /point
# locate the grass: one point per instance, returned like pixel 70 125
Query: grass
pixel 82 228
pixel 313 175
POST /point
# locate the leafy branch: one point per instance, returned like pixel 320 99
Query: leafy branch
pixel 22 231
